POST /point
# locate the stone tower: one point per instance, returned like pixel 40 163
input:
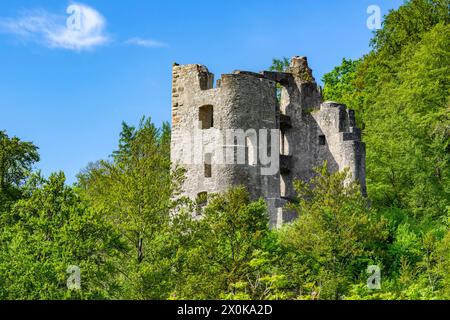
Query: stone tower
pixel 239 131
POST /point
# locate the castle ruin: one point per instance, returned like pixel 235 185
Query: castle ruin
pixel 311 131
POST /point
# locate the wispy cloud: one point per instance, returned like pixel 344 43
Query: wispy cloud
pixel 147 43
pixel 54 31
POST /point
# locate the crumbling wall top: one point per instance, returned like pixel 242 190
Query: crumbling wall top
pixel 299 69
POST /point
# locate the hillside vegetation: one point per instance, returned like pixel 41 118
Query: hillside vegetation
pixel 117 223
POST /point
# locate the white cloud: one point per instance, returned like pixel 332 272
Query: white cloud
pixel 53 30
pixel 148 43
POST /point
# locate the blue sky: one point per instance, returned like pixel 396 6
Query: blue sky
pixel 69 94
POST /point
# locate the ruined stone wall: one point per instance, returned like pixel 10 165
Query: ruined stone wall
pixel 343 140
pixel 311 132
pixel 240 101
pixel 192 89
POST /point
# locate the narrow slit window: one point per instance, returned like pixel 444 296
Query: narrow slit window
pixel 206 117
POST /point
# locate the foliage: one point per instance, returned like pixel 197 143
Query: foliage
pixel 16 160
pixel 401 90
pixel 133 237
pixel 224 247
pixel 336 234
pixel 52 230
pixel 280 65
pixel 135 191
pixel 340 85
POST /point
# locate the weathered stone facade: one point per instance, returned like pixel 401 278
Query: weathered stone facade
pixel 310 132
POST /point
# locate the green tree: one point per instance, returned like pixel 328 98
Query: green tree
pixel 401 90
pixel 226 247
pixel 52 230
pixel 16 160
pixel 407 129
pixel 408 24
pixel 280 65
pixel 135 191
pixel 336 235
